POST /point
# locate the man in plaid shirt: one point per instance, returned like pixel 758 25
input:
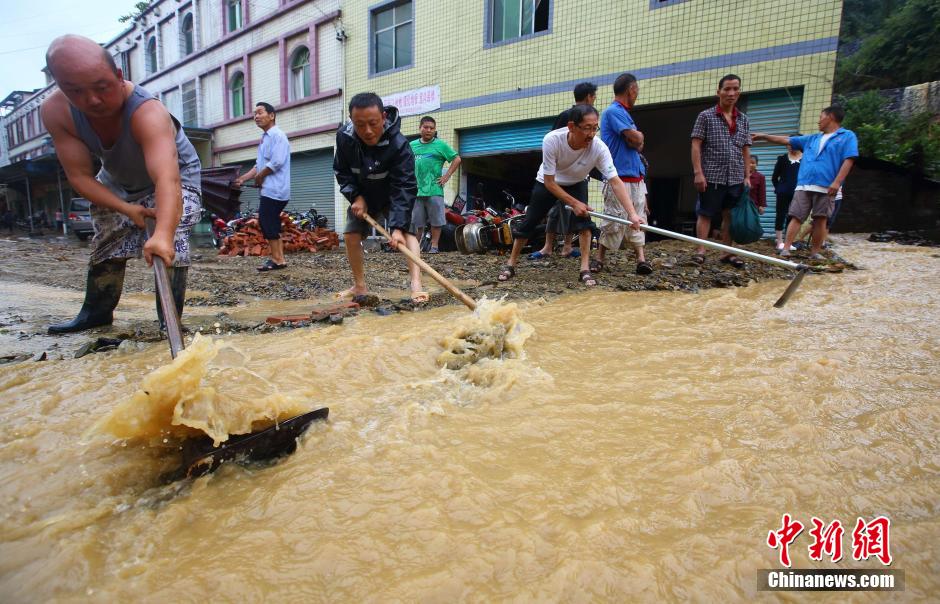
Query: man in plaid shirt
pixel 721 152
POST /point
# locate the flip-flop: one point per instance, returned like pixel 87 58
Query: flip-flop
pixel 698 258
pixel 733 261
pixel 506 273
pixel 271 265
pixel 576 253
pixel 537 255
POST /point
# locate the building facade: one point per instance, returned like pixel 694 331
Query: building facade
pixel 495 73
pixel 210 62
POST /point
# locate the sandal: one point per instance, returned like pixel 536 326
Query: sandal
pixel 420 297
pixel 507 273
pixel 538 255
pixel 644 268
pixel 596 266
pixel 575 253
pixel 733 261
pixel 587 278
pixel 271 265
pixel 698 258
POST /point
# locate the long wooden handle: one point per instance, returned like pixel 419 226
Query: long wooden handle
pixel 167 304
pixel 425 266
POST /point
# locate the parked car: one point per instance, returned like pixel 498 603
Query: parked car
pixel 80 218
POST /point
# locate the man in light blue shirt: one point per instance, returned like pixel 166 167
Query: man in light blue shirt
pixel 272 174
pixel 828 156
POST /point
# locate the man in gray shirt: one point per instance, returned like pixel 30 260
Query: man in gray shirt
pixel 272 174
pixel 149 169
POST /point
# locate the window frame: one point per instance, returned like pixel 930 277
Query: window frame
pixel 231 94
pixel 655 4
pixel 489 12
pixel 295 74
pixel 375 10
pixel 151 56
pixel 229 29
pixel 125 64
pixel 190 39
pixel 195 104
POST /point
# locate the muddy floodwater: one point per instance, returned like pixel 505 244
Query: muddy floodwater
pixel 640 451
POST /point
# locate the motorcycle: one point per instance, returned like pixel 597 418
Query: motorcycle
pixel 219 230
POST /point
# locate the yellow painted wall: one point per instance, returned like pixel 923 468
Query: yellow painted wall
pixel 593 39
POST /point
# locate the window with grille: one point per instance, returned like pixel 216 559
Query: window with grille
pixel 190 107
pixel 152 55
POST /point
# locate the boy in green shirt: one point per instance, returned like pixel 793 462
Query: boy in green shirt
pixel 430 154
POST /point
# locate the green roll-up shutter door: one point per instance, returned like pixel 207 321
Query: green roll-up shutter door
pixel 311 184
pixel 504 138
pixel 776 112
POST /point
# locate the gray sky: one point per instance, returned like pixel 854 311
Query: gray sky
pixel 27 28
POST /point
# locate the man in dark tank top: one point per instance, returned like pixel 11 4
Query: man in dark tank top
pixel 149 169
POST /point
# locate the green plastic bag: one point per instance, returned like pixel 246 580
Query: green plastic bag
pixel 745 221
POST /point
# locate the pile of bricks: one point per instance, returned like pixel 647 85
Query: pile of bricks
pixel 249 241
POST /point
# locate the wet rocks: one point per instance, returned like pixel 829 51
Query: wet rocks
pixel 99 345
pixel 924 238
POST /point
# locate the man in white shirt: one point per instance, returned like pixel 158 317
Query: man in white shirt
pixel 272 174
pixel 568 156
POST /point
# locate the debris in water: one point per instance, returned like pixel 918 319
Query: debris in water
pixel 494 330
pixel 195 395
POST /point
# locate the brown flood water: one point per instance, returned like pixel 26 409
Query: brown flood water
pixel 641 451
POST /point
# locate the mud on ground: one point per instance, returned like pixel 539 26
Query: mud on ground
pixel 219 286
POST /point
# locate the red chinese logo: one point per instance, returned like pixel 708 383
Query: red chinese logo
pixel 828 541
pixel 872 539
pixel 869 539
pixel 784 537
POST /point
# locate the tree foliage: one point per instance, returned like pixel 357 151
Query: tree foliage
pixel 139 8
pixel 912 142
pixel 898 44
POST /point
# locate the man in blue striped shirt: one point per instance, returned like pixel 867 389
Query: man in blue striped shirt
pixel 272 174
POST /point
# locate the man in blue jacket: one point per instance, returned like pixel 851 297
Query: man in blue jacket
pixel 374 167
pixel 828 157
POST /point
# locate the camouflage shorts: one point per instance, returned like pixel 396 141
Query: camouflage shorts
pixel 116 236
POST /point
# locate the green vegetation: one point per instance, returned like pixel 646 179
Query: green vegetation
pixel 139 8
pixel 913 142
pixel 888 44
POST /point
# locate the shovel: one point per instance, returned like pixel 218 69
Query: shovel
pixel 450 287
pixel 800 269
pixel 199 455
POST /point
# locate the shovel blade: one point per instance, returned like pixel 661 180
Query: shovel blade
pixel 791 289
pixel 200 457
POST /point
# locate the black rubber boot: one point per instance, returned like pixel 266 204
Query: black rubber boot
pixel 102 291
pixel 177 276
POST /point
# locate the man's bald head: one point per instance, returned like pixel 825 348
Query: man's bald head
pixel 71 52
pixel 87 76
